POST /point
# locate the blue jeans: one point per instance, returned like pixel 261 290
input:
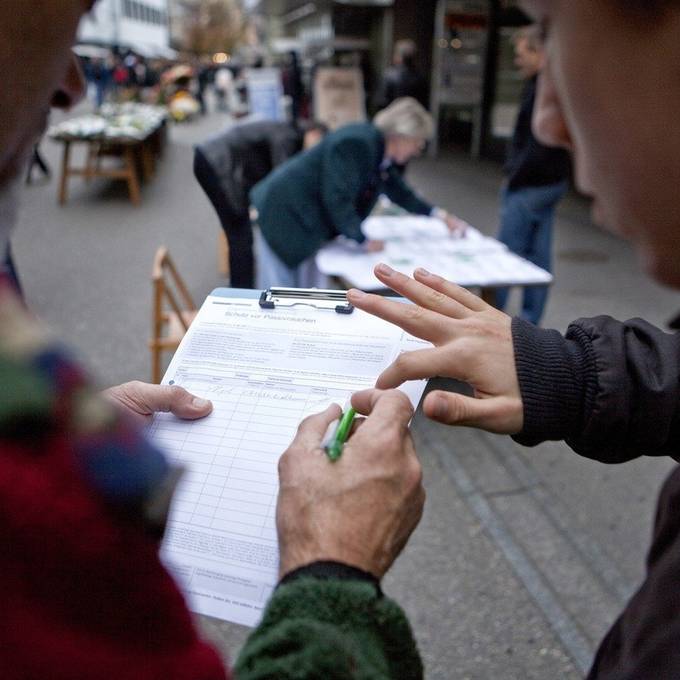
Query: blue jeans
pixel 526 229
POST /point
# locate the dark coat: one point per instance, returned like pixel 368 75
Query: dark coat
pixel 612 391
pixel 327 191
pixel 242 155
pixel 530 163
pixel 227 166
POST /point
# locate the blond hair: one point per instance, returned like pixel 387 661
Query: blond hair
pixel 405 117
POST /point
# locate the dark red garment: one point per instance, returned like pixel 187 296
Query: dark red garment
pixel 84 594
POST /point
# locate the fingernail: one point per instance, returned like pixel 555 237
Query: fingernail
pixel 383 269
pixel 200 403
pixel 356 294
pixel 422 272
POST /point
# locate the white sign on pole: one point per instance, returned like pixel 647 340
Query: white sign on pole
pixel 265 93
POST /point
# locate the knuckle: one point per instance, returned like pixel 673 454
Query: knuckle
pixel 402 362
pixel 414 313
pixel 175 391
pixel 401 403
pixel 437 298
pixel 457 412
pixel 465 349
pixel 416 473
pixel 307 423
pixel 285 463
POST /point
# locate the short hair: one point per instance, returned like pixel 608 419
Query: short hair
pixel 532 35
pixel 405 117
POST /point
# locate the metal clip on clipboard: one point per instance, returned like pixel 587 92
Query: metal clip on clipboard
pixel 310 297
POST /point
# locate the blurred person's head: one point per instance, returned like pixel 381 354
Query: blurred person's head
pixel 529 55
pixel 610 92
pixel 405 53
pixel 313 132
pixel 39 70
pixel 406 126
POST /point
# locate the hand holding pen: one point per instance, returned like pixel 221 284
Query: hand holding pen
pixel 360 509
pixel 338 433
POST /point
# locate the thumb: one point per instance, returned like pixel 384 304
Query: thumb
pixel 185 405
pixel 501 415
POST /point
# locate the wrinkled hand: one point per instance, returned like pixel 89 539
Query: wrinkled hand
pixel 361 509
pixel 374 246
pixel 472 342
pixel 142 400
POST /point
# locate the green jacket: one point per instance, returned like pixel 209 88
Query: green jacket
pixel 327 191
pixel 330 630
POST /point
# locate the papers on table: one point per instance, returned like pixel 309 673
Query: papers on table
pixel 264 371
pixel 412 241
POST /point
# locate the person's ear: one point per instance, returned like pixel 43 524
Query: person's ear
pixel 548 122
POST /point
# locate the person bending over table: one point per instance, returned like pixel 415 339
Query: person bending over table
pixel 229 164
pixel 83 494
pixel 330 189
pixel 611 390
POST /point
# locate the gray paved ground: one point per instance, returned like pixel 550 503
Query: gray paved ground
pixel 523 556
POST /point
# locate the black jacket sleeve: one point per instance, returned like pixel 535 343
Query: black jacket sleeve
pixel 610 389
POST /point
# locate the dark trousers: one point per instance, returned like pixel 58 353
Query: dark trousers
pixel 236 226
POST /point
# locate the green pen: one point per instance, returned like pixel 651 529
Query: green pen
pixel 337 441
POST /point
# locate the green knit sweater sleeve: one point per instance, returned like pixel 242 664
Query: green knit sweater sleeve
pixel 331 629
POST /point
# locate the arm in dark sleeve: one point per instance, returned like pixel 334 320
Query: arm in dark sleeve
pixel 610 389
pixel 327 621
pixel 346 169
pixel 401 193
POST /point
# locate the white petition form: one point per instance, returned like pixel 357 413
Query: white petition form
pixel 264 370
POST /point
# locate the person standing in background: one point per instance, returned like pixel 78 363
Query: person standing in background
pixel 536 180
pixel 403 79
pixel 292 84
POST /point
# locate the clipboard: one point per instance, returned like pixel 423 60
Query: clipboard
pixel 266 360
pixel 320 298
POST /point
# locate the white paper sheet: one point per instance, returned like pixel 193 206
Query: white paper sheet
pixel 264 371
pixel 412 241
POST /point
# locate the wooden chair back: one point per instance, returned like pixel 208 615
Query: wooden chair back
pixel 173 310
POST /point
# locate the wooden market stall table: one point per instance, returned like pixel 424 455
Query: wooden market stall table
pixel 474 261
pixel 133 133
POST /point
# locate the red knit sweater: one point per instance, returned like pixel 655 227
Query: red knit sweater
pixel 83 592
